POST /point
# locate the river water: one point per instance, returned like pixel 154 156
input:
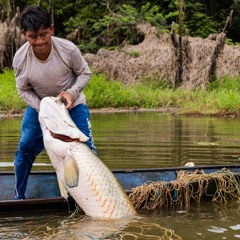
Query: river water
pixel 138 140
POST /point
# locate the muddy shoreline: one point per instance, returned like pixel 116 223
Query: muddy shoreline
pixel 173 111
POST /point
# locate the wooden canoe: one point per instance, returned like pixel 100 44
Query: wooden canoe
pixel 43 192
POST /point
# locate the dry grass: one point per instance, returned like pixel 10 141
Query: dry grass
pixel 203 59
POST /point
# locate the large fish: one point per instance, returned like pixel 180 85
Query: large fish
pixel 79 171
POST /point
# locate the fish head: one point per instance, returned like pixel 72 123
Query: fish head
pixel 51 108
pixel 54 117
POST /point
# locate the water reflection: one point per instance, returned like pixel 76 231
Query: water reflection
pixel 140 140
pixel 155 140
pixel 205 221
pixel 145 140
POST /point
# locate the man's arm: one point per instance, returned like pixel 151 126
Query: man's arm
pixel 25 91
pixel 82 72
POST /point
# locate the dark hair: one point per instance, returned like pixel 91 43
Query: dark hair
pixel 34 17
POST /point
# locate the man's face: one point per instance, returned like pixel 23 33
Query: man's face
pixel 40 40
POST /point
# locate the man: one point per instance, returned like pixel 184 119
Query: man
pixel 46 66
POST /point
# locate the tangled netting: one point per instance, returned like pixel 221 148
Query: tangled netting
pixel 220 186
pixel 78 226
pixel 144 231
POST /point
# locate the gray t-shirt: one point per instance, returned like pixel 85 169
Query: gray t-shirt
pixel 65 69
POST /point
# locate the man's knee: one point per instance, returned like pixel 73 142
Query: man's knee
pixel 23 156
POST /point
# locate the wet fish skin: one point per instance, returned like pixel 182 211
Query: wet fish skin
pixel 96 190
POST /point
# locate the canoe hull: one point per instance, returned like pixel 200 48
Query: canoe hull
pixel 43 191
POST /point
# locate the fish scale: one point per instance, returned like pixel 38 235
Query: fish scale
pixel 102 185
pixel 98 192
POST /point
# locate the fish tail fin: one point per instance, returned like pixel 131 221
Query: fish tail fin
pixel 71 171
pixel 62 188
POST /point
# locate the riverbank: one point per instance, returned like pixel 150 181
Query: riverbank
pixel 107 110
pixel 220 98
pixel 164 111
pixel 172 110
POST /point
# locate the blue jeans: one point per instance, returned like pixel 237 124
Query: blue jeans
pixel 31 143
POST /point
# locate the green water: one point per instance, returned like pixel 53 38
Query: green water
pixel 138 140
pixel 145 140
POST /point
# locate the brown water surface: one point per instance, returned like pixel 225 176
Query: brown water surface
pixel 138 140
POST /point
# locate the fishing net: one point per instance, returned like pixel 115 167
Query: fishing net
pixel 189 187
pixel 80 227
pixel 150 231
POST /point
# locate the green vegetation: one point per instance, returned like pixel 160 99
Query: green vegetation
pixel 220 96
pixel 9 99
pixel 111 23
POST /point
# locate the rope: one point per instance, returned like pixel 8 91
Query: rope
pixel 187 188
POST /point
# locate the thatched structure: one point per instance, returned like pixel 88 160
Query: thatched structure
pixel 202 59
pixel 10 38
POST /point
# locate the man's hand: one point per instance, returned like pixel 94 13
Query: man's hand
pixel 67 99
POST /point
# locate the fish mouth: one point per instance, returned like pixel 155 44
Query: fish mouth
pixel 54 117
pixel 64 138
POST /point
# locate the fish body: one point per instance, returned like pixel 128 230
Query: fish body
pixel 79 171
